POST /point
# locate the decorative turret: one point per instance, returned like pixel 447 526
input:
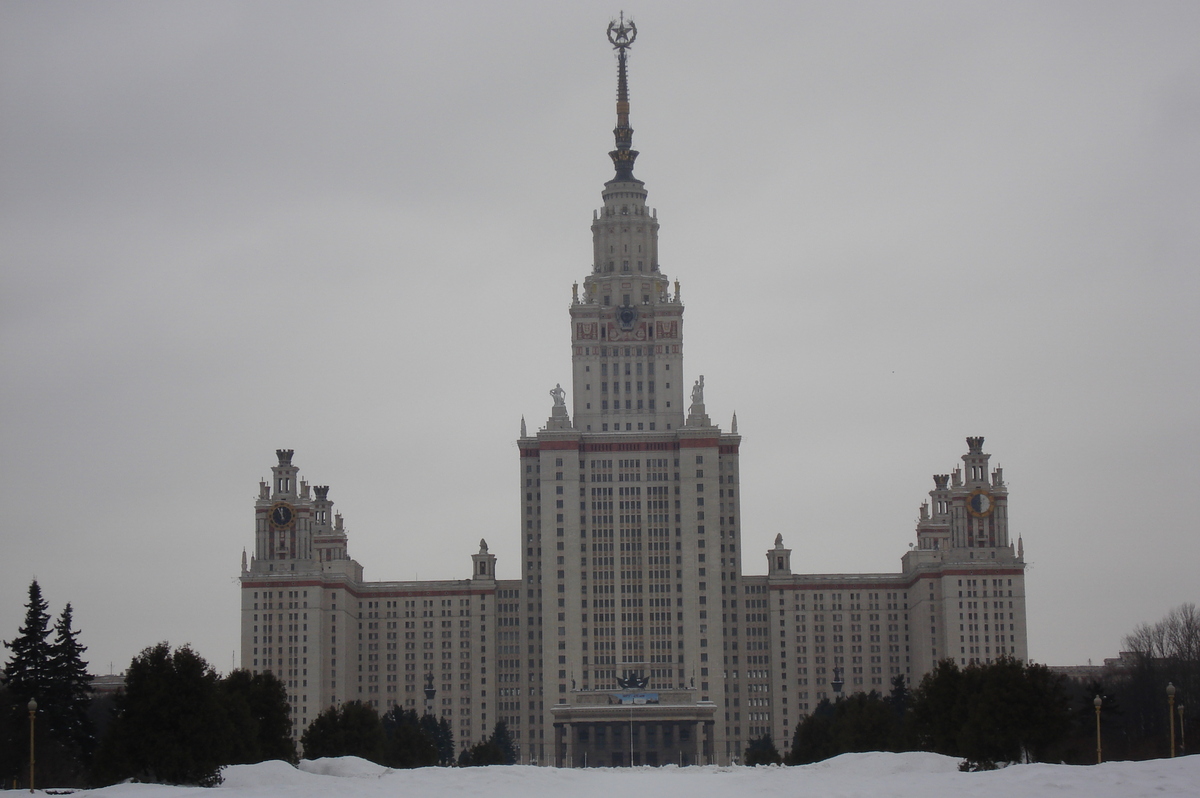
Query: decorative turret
pixel 322 508
pixel 483 564
pixel 284 474
pixel 779 559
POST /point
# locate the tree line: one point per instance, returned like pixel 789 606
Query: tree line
pixel 399 739
pixel 1010 711
pixel 177 721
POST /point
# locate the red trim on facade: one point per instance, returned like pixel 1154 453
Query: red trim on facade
pixel 842 586
pixel 729 449
pixel 897 585
pixel 454 591
pixel 422 593
pixel 529 452
pixel 558 445
pixel 698 443
pixel 264 585
pixel 984 571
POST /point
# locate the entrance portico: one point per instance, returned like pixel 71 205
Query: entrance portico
pixel 620 729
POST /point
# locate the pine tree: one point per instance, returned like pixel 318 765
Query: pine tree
pixel 495 750
pixel 27 672
pixel 68 692
pixel 258 718
pixel 408 744
pixel 354 729
pixel 27 676
pixel 762 751
pixel 445 742
pixel 170 724
pixel 813 739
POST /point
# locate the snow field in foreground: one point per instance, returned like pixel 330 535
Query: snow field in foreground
pixel 870 775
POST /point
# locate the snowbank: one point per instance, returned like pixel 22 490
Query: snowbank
pixel 344 767
pixel 913 775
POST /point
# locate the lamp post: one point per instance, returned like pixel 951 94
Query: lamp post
pixel 1182 736
pixel 32 706
pixel 1171 714
pixel 631 732
pixel 1099 757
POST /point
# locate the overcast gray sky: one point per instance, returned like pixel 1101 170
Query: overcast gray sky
pixel 351 229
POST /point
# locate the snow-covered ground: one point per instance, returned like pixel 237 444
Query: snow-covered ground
pixel 848 776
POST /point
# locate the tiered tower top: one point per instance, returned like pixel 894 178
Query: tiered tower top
pixel 627 327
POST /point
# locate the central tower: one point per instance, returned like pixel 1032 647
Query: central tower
pixel 629 509
pixel 627 328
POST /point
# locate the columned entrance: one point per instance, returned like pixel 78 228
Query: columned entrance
pixel 624 729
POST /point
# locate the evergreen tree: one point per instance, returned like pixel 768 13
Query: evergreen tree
pixel 503 743
pixel 27 672
pixel 495 750
pixel 25 677
pixel 862 722
pixel 899 697
pixel 762 751
pixel 813 739
pixel 1003 711
pixel 938 709
pixel 900 701
pixel 353 729
pixel 171 726
pixel 257 716
pixel 445 743
pixel 408 744
pixel 69 690
pixel 857 722
pixel 11 759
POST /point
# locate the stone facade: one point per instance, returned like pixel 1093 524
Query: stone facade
pixel 633 635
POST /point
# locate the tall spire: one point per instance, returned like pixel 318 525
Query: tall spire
pixel 621 34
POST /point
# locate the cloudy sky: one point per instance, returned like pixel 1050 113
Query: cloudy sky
pixel 351 229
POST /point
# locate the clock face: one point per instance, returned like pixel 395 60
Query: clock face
pixel 281 514
pixel 980 504
pixel 626 317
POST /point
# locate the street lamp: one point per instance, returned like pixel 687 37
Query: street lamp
pixel 838 681
pixel 1171 714
pixel 1097 702
pixel 32 706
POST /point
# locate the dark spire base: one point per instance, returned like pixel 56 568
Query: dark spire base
pixel 623 163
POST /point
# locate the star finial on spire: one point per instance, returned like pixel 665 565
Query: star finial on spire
pixel 620 34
